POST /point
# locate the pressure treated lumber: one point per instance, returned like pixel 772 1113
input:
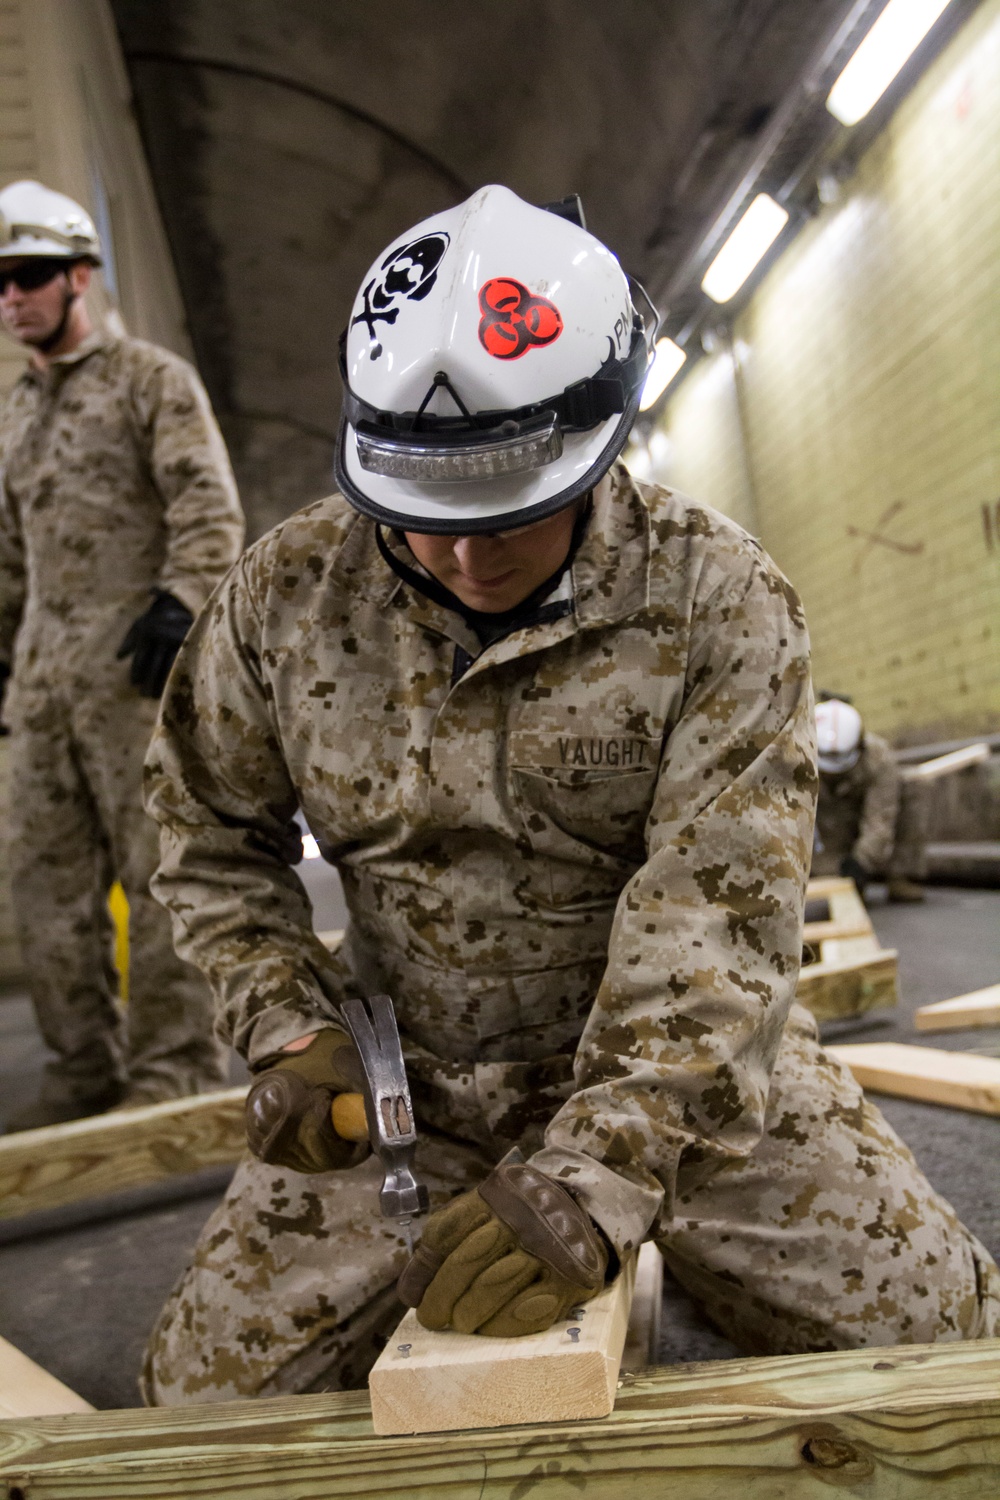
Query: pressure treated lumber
pixel 26 1390
pixel 979 1008
pixel 916 1423
pixel 848 986
pixel 87 1158
pixel 436 1382
pixel 960 1079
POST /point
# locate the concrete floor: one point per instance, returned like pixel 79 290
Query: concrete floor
pixel 80 1287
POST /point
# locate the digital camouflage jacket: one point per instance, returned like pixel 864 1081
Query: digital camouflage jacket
pixel 114 480
pixel 578 867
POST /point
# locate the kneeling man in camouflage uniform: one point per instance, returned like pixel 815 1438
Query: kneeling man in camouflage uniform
pixel 555 730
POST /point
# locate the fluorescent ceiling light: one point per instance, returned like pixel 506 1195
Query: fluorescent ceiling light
pixel 753 236
pixel 898 31
pixel 667 360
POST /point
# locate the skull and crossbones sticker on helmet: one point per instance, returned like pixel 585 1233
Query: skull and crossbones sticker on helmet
pixel 406 274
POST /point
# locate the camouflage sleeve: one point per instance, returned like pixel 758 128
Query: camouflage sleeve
pixel 877 830
pixel 676 1056
pixel 192 474
pixel 12 577
pixel 217 784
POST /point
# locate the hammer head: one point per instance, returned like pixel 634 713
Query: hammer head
pixel 387 1103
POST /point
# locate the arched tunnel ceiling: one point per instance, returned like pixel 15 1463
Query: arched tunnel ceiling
pixel 290 141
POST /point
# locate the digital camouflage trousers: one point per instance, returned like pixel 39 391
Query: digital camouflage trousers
pixel 827 1237
pixel 76 824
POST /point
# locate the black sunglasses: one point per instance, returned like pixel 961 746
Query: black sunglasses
pixel 32 275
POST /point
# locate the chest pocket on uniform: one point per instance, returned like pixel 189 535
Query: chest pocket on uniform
pixel 603 809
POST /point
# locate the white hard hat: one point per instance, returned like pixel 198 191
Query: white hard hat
pixel 36 221
pixel 492 366
pixel 839 732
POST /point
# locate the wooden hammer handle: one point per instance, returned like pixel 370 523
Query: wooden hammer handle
pixel 349 1119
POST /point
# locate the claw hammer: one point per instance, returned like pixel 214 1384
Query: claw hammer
pixel 384 1113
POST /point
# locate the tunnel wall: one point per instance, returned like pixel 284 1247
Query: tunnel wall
pixel 852 420
pixel 65 119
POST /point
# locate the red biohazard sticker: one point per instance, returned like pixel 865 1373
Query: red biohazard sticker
pixel 515 320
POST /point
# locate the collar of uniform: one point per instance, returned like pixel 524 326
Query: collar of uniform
pixel 362 570
pixel 610 573
pixel 95 341
pixel 611 570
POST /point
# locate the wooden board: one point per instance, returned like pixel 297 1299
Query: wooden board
pixel 86 1158
pixel 946 765
pixel 980 1008
pixel 957 1078
pixel 848 917
pixel 914 1423
pixel 437 1382
pixel 642 1338
pixel 26 1390
pixel 848 986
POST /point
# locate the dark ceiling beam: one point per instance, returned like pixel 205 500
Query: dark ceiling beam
pixel 308 91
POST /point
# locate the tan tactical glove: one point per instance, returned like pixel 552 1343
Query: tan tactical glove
pixel 513 1256
pixel 288 1108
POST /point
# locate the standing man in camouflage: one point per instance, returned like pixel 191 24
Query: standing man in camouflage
pixel 556 731
pixel 118 515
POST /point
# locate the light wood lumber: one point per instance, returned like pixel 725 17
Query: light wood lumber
pixel 848 916
pixel 921 1422
pixel 945 765
pixel 848 987
pixel 642 1339
pixel 436 1382
pixel 979 1008
pixel 26 1390
pixel 959 1079
pixel 131 1148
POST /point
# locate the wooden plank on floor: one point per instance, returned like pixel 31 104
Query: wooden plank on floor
pixel 848 987
pixel 959 1079
pixel 848 916
pixel 921 1422
pixel 435 1382
pixel 979 1008
pixel 26 1390
pixel 131 1148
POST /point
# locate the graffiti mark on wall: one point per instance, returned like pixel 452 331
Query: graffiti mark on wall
pixel 878 538
pixel 991 524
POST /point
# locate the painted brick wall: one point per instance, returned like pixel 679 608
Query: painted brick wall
pixel 870 366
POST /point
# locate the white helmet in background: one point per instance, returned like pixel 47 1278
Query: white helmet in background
pixel 839 732
pixel 35 221
pixel 492 366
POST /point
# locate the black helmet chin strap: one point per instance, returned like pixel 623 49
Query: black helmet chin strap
pixel 52 340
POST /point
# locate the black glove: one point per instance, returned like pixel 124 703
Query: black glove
pixel 854 870
pixel 508 1258
pixel 4 674
pixel 153 641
